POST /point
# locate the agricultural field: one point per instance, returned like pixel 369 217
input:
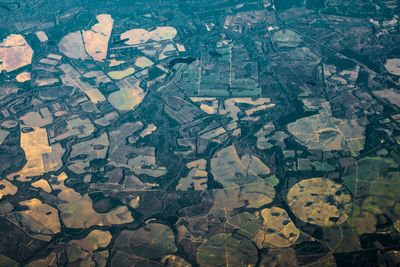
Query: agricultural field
pixel 199 133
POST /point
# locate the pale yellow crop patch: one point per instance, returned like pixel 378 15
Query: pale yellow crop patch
pixel 143 62
pixel 120 74
pixel 23 77
pixel 15 53
pixel 96 39
pixel 40 157
pixel 393 66
pixel 94 42
pixel 140 36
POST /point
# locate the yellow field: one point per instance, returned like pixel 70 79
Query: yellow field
pixel 15 53
pixel 96 39
pixel 120 74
